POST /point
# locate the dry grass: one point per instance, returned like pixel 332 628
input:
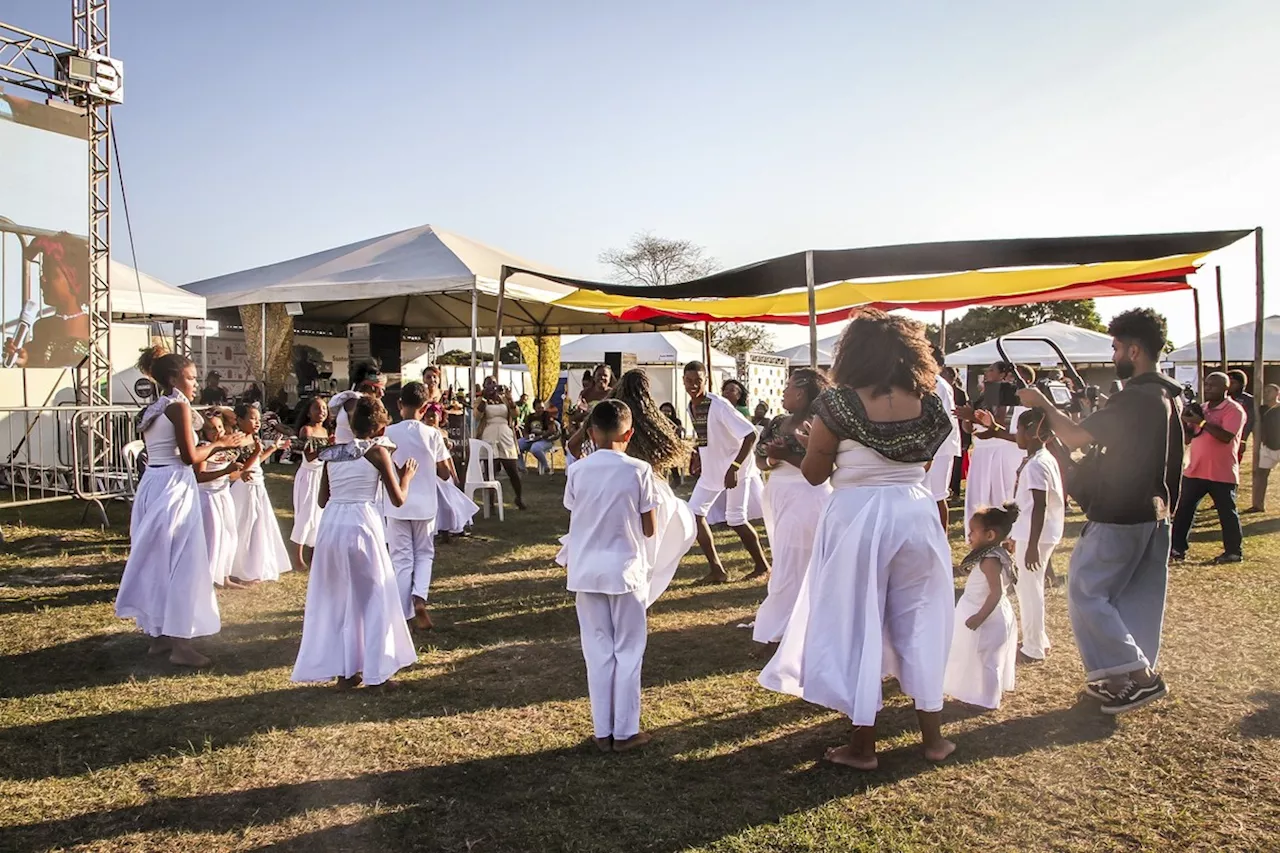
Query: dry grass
pixel 104 749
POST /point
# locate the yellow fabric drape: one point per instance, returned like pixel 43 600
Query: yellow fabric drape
pixel 279 345
pixel 542 354
pixel 851 294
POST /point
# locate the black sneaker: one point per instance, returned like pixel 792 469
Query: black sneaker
pixel 1177 556
pixel 1223 559
pixel 1136 695
pixel 1100 690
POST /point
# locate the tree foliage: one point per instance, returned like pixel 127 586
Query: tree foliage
pixel 653 261
pixel 983 323
pixel 455 356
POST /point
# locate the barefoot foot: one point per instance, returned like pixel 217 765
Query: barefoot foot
pixel 604 744
pixel 846 755
pixel 757 575
pixel 714 577
pixel 421 619
pixel 939 752
pixel 636 741
pixel 160 646
pixel 187 656
pixel 348 683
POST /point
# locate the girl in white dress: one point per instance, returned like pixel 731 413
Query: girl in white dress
pixel 167 587
pixel 792 506
pixel 878 597
pixel 454 510
pixel 984 646
pixel 215 476
pixel 260 551
pixel 306 483
pixel 995 457
pixel 353 628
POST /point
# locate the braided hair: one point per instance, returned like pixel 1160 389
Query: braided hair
pixel 654 439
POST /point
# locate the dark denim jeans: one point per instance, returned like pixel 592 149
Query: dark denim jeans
pixel 1194 490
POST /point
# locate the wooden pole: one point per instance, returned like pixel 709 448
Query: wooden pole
pixel 1222 322
pixel 1259 330
pixel 497 325
pixel 706 346
pixel 471 374
pixel 942 334
pixel 813 310
pixel 1195 297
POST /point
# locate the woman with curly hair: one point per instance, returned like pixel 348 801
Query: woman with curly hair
pixel 878 598
pixel 791 505
pixel 654 439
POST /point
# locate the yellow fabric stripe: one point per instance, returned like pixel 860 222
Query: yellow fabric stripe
pixel 850 294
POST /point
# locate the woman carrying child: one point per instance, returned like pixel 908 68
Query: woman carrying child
pixel 984 642
pixel 353 627
pixel 167 587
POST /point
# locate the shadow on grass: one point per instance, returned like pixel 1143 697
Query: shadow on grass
pixel 664 799
pixel 509 676
pixel 1264 722
pixel 79 597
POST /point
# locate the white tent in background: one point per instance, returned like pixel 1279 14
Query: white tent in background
pixel 799 356
pixel 135 294
pixel 1081 346
pixel 1239 345
pixel 663 356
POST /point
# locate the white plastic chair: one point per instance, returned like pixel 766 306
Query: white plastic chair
pixel 481 453
pixel 131 452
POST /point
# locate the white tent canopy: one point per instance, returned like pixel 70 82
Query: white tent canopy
pixel 421 278
pixel 799 355
pixel 1081 346
pixel 675 348
pixel 1239 344
pixel 136 294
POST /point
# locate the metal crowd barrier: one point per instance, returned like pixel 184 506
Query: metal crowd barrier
pixel 51 455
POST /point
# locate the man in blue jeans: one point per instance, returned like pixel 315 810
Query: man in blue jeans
pixel 1215 433
pixel 1128 486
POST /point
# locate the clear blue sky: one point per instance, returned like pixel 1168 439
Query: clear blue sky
pixel 256 131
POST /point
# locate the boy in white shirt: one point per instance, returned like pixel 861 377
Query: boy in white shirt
pixel 1038 530
pixel 723 462
pixel 411 527
pixel 610 497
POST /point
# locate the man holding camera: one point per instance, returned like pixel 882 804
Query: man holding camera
pixel 1127 485
pixel 1213 469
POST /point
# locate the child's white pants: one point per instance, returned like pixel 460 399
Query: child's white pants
pixel 1035 639
pixel 614 633
pixel 412 543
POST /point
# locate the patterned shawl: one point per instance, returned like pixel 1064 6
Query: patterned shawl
pixel 915 440
pixel 150 414
pixel 355 450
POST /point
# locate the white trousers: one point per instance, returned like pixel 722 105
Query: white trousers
pixel 413 551
pixel 1035 639
pixel 614 633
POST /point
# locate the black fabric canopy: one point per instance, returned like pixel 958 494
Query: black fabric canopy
pixel 788 271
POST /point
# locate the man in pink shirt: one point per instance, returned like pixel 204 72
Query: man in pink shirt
pixel 1213 469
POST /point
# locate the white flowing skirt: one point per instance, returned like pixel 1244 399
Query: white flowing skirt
pixel 454 510
pixel 792 508
pixel 354 621
pixel 877 600
pixel 167 587
pixel 993 470
pixel 219 511
pixel 260 552
pixel 755 501
pixel 306 503
pixel 982 662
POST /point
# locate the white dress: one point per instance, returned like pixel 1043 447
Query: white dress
pixel 306 502
pixel 167 587
pixel 982 662
pixel 260 551
pixel 354 621
pixel 454 510
pixel 993 468
pixel 878 597
pixel 792 508
pixel 496 429
pixel 219 512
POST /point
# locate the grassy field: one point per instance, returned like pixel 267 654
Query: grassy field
pixel 483 748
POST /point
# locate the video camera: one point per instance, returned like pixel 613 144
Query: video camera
pixel 1006 393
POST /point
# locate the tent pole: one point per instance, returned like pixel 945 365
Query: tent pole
pixel 264 353
pixel 1259 379
pixel 471 374
pixel 706 345
pixel 497 326
pixel 813 310
pixel 1222 323
pixel 942 332
pixel 1195 298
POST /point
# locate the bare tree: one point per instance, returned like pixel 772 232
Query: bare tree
pixel 651 260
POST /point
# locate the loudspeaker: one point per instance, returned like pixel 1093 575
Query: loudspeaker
pixel 384 345
pixel 614 360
